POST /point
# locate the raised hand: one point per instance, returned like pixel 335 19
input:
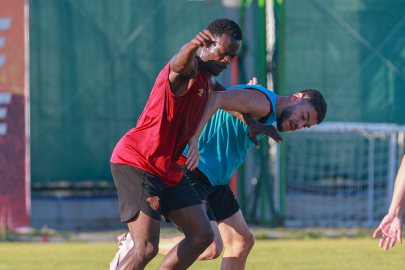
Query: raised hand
pixel 193 154
pixel 391 228
pixel 203 39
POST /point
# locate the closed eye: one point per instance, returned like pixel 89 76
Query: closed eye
pixel 307 125
pixel 308 116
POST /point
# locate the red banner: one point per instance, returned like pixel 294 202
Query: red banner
pixel 14 115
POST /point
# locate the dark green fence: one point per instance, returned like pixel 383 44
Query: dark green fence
pixel 93 64
pixel 352 51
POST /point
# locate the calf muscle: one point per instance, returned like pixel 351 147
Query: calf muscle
pixel 198 236
pixel 145 234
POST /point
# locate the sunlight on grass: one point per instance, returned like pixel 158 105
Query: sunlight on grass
pixel 344 253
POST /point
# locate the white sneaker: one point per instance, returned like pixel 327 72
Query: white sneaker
pixel 125 243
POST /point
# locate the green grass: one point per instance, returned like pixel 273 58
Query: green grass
pixel 342 253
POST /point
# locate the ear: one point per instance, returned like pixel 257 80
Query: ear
pixel 297 97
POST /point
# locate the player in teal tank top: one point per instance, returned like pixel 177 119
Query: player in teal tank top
pixel 219 148
pixel 222 147
pixel 224 142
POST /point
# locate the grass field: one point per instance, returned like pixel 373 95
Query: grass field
pixel 343 253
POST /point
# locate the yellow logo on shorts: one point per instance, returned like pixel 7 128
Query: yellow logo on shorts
pixel 201 92
pixel 153 202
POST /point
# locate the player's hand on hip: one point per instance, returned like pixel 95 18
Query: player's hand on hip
pixel 256 129
pixel 204 39
pixel 391 228
pixel 193 155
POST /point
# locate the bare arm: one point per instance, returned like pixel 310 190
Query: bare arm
pixel 254 127
pixel 398 197
pixel 391 225
pixel 244 101
pixel 183 65
pixel 254 103
pixel 244 117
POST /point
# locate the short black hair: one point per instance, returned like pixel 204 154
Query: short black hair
pixel 225 26
pixel 315 98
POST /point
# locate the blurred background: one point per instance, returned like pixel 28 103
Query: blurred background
pixel 75 76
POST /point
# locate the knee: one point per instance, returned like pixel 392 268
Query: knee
pixel 244 246
pixel 152 250
pixel 249 242
pixel 203 239
pixel 213 251
pixel 146 252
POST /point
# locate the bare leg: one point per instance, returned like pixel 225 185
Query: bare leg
pixel 194 223
pixel 212 252
pixel 166 244
pixel 238 241
pixel 145 234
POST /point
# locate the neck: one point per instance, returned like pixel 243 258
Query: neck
pixel 282 102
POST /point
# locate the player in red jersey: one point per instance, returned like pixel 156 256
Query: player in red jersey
pixel 143 163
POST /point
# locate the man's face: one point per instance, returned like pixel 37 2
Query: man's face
pixel 218 56
pixel 297 116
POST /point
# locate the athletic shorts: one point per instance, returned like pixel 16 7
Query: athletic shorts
pixel 219 201
pixel 139 190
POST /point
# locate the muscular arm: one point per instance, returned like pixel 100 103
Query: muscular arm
pixel 184 65
pixel 184 62
pixel 244 101
pixel 244 117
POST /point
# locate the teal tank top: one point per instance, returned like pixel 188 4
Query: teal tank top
pixel 224 142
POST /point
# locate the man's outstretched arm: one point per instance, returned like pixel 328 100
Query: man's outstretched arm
pixel 184 65
pixel 254 128
pixel 245 101
pixel 391 225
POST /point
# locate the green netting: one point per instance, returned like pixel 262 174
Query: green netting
pixel 93 64
pixel 353 51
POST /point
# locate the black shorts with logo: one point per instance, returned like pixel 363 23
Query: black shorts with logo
pixel 139 190
pixel 219 201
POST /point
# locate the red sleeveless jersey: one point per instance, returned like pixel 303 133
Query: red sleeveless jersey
pixel 164 128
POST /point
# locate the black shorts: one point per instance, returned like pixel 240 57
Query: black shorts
pixel 139 190
pixel 219 201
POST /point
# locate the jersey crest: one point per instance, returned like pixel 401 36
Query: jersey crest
pixel 201 92
pixel 153 202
